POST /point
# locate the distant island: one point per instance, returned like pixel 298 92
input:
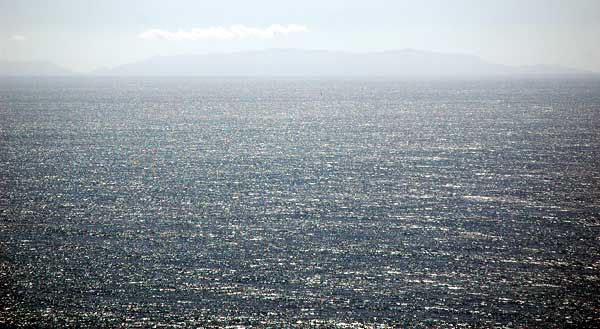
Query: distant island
pixel 33 69
pixel 306 63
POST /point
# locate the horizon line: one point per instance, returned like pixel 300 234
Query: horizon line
pixel 341 51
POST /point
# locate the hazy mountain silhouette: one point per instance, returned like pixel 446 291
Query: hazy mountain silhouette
pixel 292 62
pixel 32 69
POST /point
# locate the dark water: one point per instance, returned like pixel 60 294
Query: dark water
pixel 178 202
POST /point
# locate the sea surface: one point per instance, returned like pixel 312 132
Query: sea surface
pixel 178 202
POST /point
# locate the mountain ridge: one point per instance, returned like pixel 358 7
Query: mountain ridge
pixel 309 63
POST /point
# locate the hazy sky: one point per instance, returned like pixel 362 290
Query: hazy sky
pixel 84 35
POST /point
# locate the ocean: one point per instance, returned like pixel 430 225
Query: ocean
pixel 288 202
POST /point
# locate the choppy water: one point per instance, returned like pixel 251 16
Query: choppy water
pixel 206 202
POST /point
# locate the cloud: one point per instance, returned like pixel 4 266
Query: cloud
pixel 17 38
pixel 219 32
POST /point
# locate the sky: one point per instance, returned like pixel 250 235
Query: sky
pixel 85 35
